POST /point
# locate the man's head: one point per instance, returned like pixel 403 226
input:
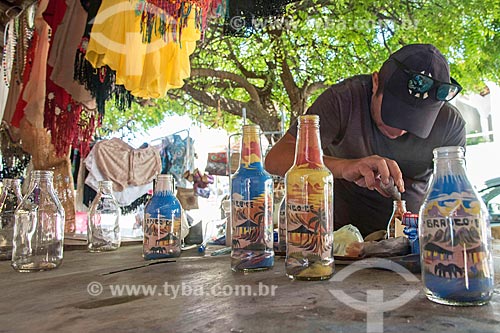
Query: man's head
pixel 413 85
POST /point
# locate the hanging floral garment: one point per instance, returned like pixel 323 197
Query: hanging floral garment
pixel 177 155
pixel 147 70
pixel 62 113
pixel 87 124
pixel 70 113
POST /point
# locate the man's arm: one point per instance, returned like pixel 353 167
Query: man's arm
pixel 365 172
pixel 281 156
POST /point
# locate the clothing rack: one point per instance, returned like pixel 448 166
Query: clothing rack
pixel 163 137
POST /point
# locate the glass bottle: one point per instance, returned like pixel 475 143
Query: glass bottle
pixel 278 199
pixel 103 227
pixel 394 227
pixel 309 208
pixel 162 221
pixel 39 226
pixel 9 200
pixel 226 207
pixel 251 208
pixel 455 236
pixel 281 246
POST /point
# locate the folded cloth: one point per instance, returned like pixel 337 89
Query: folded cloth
pixel 391 247
pixel 124 165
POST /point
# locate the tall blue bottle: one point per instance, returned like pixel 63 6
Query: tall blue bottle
pixel 251 208
pixel 455 235
pixel 162 222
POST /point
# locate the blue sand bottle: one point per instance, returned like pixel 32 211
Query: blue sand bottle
pixel 455 235
pixel 162 222
pixel 251 208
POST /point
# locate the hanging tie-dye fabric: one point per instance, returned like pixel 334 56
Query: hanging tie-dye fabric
pixel 101 81
pixel 147 70
pixel 158 17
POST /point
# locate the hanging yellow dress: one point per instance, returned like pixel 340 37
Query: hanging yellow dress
pixel 146 69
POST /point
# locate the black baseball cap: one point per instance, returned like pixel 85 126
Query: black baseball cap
pixel 402 109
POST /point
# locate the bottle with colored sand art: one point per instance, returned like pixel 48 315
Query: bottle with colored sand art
pixel 454 235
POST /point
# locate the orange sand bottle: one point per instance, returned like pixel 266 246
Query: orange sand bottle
pixel 309 208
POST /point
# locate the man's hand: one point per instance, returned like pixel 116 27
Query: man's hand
pixel 366 172
pixel 369 172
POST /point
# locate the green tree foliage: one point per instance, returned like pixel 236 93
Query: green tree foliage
pixel 140 117
pixel 287 62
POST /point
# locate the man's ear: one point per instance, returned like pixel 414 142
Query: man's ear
pixel 374 82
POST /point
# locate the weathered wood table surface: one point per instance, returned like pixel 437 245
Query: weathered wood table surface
pixel 88 293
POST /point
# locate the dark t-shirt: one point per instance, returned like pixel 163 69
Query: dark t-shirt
pixel 347 131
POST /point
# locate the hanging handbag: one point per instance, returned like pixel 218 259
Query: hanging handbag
pixel 187 198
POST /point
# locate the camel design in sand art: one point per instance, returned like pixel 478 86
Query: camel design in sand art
pixel 452 269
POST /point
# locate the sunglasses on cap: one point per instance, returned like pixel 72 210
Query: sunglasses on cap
pixel 419 84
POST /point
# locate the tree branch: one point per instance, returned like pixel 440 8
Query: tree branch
pixel 286 74
pixel 306 4
pixel 239 65
pixel 224 75
pixel 230 105
pixel 288 81
pixel 254 112
pixel 315 86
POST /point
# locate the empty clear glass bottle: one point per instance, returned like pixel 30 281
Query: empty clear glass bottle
pixel 455 235
pixel 103 228
pixel 281 246
pixel 9 200
pixel 39 226
pixel 394 227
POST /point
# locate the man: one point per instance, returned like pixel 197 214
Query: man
pixel 378 127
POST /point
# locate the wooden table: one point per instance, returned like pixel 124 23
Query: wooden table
pixel 62 300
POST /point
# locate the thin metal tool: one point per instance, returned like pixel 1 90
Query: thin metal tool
pixel 222 251
pixel 391 189
pixel 141 266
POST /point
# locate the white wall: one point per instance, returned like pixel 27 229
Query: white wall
pixel 483 160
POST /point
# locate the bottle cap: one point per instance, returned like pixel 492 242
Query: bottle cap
pixel 410 220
